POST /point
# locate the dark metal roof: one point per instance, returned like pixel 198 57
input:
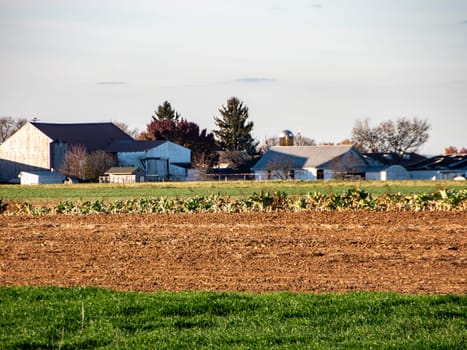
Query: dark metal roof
pixel 442 162
pixel 93 136
pixel 393 158
pixel 182 165
pixel 133 145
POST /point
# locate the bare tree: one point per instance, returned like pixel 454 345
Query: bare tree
pixel 299 140
pixel 96 164
pixel 400 136
pixel 364 137
pixel 84 166
pixel 8 126
pixel 74 162
pixel 124 127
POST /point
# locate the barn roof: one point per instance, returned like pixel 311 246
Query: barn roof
pixel 442 162
pixel 130 170
pixel 298 157
pixel 133 145
pixel 393 158
pixel 46 173
pixel 93 136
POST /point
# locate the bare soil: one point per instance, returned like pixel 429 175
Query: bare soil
pixel 422 252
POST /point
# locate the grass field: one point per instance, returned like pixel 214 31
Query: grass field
pixel 58 318
pixel 55 193
pixel 69 318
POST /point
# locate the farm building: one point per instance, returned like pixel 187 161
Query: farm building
pixel 159 160
pixel 386 172
pixel 393 158
pixel 123 175
pixel 390 166
pixel 40 177
pixel 310 163
pixel 442 167
pixel 41 146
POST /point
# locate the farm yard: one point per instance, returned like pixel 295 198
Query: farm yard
pixel 343 269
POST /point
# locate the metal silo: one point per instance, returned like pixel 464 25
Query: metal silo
pixel 286 138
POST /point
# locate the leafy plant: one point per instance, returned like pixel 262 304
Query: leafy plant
pixel 350 199
pixel 3 206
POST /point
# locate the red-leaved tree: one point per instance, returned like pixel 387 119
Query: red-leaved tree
pixel 169 126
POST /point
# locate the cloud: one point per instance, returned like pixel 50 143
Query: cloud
pixel 317 6
pixel 464 21
pixel 111 83
pixel 254 80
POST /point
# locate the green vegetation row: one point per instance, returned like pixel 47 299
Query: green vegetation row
pixel 46 194
pixel 69 318
pixel 350 199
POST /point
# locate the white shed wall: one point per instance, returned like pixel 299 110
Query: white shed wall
pixel 27 149
pixel 27 178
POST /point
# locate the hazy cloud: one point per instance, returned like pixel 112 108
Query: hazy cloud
pixel 464 21
pixel 317 6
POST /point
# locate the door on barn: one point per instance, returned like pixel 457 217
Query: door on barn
pixel 157 169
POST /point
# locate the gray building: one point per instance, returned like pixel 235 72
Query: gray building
pixel 310 163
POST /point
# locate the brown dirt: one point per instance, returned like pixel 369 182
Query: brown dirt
pixel 421 252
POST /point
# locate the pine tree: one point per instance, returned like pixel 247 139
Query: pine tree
pixel 168 125
pixel 165 111
pixel 234 131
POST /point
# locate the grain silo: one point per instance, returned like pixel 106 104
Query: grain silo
pixel 286 138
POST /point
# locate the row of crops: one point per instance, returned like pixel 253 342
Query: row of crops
pixel 351 199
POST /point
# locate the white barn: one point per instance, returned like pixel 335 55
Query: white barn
pixel 310 163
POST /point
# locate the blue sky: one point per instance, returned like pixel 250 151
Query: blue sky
pixel 313 67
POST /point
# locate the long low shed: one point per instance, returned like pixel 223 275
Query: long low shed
pixel 40 177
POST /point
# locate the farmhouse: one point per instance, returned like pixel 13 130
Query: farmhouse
pixel 39 146
pixel 123 175
pixel 159 160
pixel 310 163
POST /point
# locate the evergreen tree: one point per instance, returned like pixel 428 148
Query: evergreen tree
pixel 234 131
pixel 165 111
pixel 167 125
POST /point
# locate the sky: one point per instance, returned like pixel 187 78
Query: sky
pixel 313 67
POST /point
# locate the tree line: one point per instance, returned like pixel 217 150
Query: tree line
pixel 233 135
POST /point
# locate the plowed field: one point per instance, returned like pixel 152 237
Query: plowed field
pixel 422 252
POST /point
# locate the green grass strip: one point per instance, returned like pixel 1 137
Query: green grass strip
pixel 69 318
pixel 37 194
